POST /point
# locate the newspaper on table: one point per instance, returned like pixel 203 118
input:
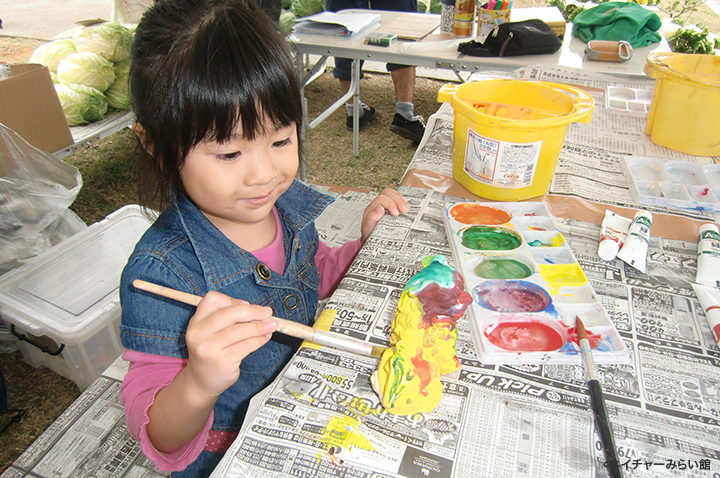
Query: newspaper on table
pixel 322 418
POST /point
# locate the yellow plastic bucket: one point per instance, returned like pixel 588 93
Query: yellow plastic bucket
pixel 509 133
pixel 685 109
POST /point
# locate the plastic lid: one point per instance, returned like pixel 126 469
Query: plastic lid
pixel 66 291
pixel 608 249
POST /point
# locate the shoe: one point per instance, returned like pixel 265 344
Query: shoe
pixel 367 117
pixel 412 130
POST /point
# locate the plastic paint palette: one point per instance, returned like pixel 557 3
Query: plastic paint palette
pixel 628 101
pixel 669 183
pixel 527 287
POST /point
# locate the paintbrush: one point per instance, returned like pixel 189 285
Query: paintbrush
pixel 284 326
pixel 598 403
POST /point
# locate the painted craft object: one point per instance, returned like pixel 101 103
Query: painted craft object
pixel 670 183
pixel 526 285
pixel 422 344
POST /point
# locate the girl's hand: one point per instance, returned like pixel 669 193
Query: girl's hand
pixel 389 200
pixel 219 336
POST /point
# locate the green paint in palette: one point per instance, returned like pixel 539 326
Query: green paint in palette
pixel 502 268
pixel 489 238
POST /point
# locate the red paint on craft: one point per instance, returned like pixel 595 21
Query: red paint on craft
pixel 472 213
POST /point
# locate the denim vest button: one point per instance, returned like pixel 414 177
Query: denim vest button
pixel 298 247
pixel 263 271
pixel 290 301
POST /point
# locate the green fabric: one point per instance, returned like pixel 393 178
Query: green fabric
pixel 618 21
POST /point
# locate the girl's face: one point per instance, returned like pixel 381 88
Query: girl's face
pixel 235 184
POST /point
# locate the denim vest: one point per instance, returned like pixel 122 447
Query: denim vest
pixel 185 251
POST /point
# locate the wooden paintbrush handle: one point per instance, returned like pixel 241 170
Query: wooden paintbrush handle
pixel 284 326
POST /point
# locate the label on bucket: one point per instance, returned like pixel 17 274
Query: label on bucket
pixel 501 163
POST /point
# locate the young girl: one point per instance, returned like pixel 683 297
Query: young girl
pixel 218 112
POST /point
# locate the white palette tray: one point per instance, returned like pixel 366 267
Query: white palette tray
pixel 527 286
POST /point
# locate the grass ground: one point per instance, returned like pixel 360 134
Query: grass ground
pixel 107 172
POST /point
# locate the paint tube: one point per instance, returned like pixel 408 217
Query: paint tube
pixel 708 256
pixel 709 298
pixel 634 251
pixel 613 231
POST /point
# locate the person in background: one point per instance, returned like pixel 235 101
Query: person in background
pixel 218 109
pixel 405 122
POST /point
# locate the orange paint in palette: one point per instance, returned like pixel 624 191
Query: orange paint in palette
pixel 526 286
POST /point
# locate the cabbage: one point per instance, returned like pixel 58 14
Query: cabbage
pixel 304 8
pixel 86 69
pixel 81 104
pixel 50 54
pixel 287 20
pixel 111 41
pixel 118 94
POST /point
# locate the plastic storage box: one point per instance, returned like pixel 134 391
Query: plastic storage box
pixel 63 307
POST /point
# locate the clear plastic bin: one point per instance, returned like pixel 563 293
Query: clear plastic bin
pixel 63 306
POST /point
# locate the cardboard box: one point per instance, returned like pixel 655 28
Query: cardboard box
pixel 31 108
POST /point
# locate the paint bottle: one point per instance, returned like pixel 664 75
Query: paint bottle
pixel 464 18
pixel 709 298
pixel 708 256
pixel 447 16
pixel 634 251
pixel 613 232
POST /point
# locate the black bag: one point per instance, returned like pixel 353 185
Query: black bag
pixel 529 37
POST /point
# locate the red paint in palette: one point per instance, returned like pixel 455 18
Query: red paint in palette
pixel 472 213
pixel 524 334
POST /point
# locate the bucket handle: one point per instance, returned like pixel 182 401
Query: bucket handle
pixel 581 112
pixel 446 93
pixel 656 68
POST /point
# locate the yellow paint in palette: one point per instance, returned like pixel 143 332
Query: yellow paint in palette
pixel 557 240
pixel 559 275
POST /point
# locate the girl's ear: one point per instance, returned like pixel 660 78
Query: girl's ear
pixel 139 131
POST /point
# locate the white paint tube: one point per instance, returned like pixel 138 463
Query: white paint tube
pixel 634 251
pixel 613 232
pixel 709 298
pixel 708 256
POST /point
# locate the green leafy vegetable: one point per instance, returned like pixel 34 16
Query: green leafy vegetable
pixel 287 21
pixel 689 40
pixel 118 94
pixel 304 8
pixel 50 54
pixel 81 104
pixel 111 41
pixel 87 69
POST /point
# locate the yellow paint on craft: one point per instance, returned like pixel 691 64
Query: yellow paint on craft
pixel 559 275
pixel 342 431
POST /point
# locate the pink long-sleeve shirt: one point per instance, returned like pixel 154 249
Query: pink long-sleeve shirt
pixel 148 373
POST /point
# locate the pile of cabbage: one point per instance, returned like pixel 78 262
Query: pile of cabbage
pixel 90 71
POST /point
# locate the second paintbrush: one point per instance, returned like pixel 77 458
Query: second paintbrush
pixel 598 403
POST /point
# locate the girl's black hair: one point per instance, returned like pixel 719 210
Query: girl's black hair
pixel 199 69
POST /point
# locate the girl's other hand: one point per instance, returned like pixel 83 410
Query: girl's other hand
pixel 389 200
pixel 219 336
